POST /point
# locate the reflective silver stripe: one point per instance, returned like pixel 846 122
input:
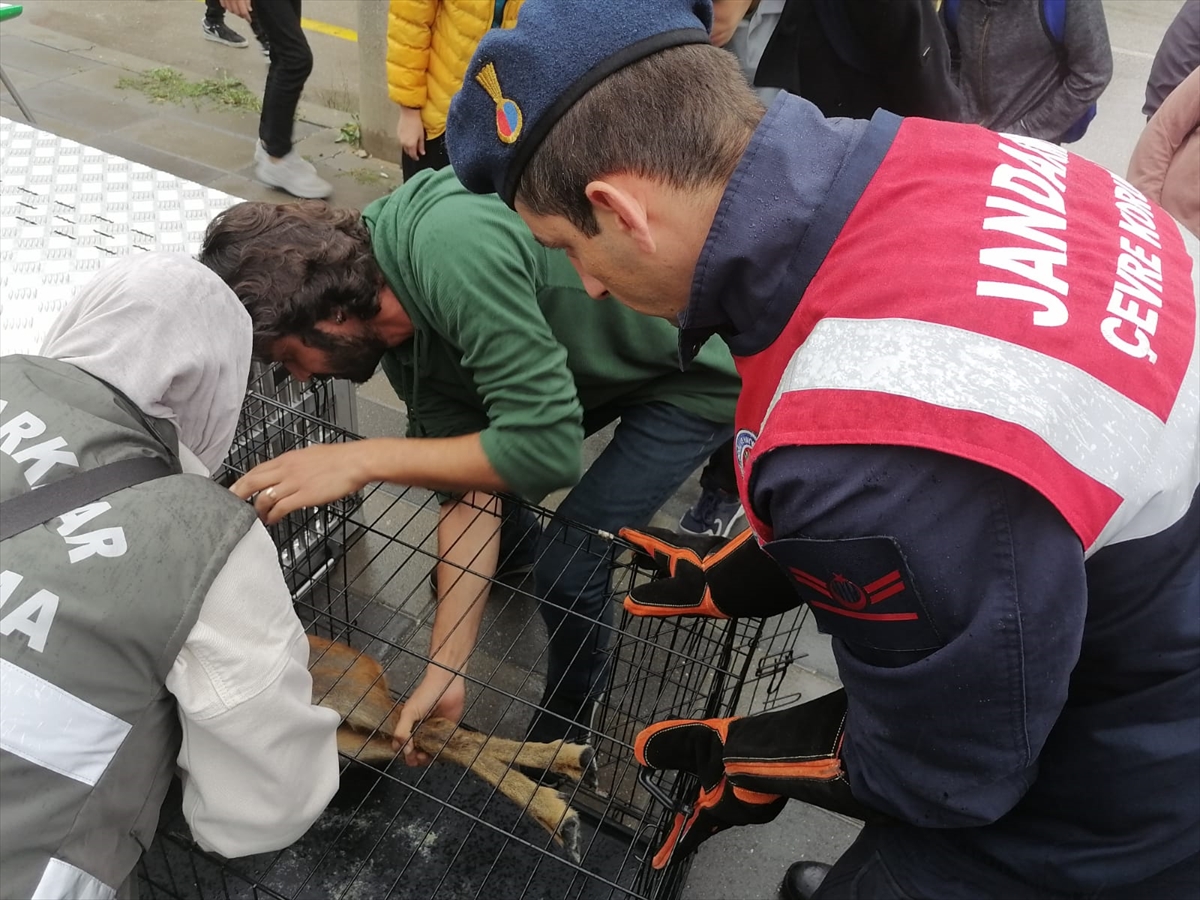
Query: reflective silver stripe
pixel 1166 493
pixel 63 881
pixel 1093 427
pixel 47 726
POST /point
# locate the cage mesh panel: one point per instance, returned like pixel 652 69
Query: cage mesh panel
pixel 358 570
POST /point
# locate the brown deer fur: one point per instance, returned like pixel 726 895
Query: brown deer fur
pixel 353 684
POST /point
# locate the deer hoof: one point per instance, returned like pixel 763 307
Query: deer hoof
pixel 567 835
pixel 589 774
pixel 577 762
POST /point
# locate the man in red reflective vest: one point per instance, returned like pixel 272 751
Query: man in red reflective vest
pixel 967 441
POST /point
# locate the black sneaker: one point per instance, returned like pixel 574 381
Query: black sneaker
pixel 223 34
pixel 716 512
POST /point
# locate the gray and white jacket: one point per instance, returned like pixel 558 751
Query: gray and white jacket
pixel 149 630
pixel 1015 78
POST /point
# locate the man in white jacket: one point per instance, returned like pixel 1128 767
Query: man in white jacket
pixel 152 627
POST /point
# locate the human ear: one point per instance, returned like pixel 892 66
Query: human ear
pixel 626 209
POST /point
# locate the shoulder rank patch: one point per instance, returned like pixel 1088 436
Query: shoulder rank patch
pixel 508 115
pixel 860 590
pixel 743 443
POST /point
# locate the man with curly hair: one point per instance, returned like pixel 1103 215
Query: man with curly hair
pixel 504 365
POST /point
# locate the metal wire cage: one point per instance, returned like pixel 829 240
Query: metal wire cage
pixel 358 570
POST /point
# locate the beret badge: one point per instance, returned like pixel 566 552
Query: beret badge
pixel 508 114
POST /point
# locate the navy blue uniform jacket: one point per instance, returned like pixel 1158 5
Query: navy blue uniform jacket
pixel 1052 721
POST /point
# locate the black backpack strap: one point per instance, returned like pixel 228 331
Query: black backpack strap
pixel 36 507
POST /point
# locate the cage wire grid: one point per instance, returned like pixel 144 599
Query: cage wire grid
pixel 359 573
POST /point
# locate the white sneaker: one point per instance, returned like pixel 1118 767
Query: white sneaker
pixel 292 173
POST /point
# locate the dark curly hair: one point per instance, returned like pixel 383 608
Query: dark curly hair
pixel 292 265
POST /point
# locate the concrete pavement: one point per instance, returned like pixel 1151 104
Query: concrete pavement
pixel 66 57
pixel 167 33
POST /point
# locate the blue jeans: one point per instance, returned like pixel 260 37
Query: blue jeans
pixel 654 449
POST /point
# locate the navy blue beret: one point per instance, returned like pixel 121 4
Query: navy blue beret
pixel 521 80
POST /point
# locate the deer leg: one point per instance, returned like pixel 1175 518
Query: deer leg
pixel 575 761
pixel 366 748
pixel 446 742
pixel 558 756
pixel 443 740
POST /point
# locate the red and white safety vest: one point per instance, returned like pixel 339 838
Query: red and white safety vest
pixel 997 298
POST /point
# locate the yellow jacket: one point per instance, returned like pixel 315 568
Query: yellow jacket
pixel 430 43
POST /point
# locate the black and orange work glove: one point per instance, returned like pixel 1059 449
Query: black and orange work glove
pixel 750 766
pixel 702 575
pixel 696 747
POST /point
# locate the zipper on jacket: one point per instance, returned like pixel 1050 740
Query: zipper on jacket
pixel 986 112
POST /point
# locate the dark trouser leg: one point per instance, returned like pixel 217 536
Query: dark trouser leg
pixel 861 872
pixel 1180 880
pixel 654 449
pixel 903 862
pixel 718 472
pixel 291 64
pixel 435 158
pixel 899 862
pixel 214 12
pixel 519 533
pixel 259 34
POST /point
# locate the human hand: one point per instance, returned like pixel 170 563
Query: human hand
pixel 440 694
pixel 238 8
pixel 312 476
pixel 410 132
pixel 726 16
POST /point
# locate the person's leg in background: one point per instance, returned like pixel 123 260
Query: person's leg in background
pixel 435 158
pixel 520 530
pixel 277 164
pixel 654 448
pixel 264 42
pixel 215 28
pixel 719 509
pixel 519 533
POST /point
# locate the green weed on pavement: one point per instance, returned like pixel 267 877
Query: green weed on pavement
pixel 167 85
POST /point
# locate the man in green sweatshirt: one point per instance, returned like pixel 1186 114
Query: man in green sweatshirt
pixel 504 364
